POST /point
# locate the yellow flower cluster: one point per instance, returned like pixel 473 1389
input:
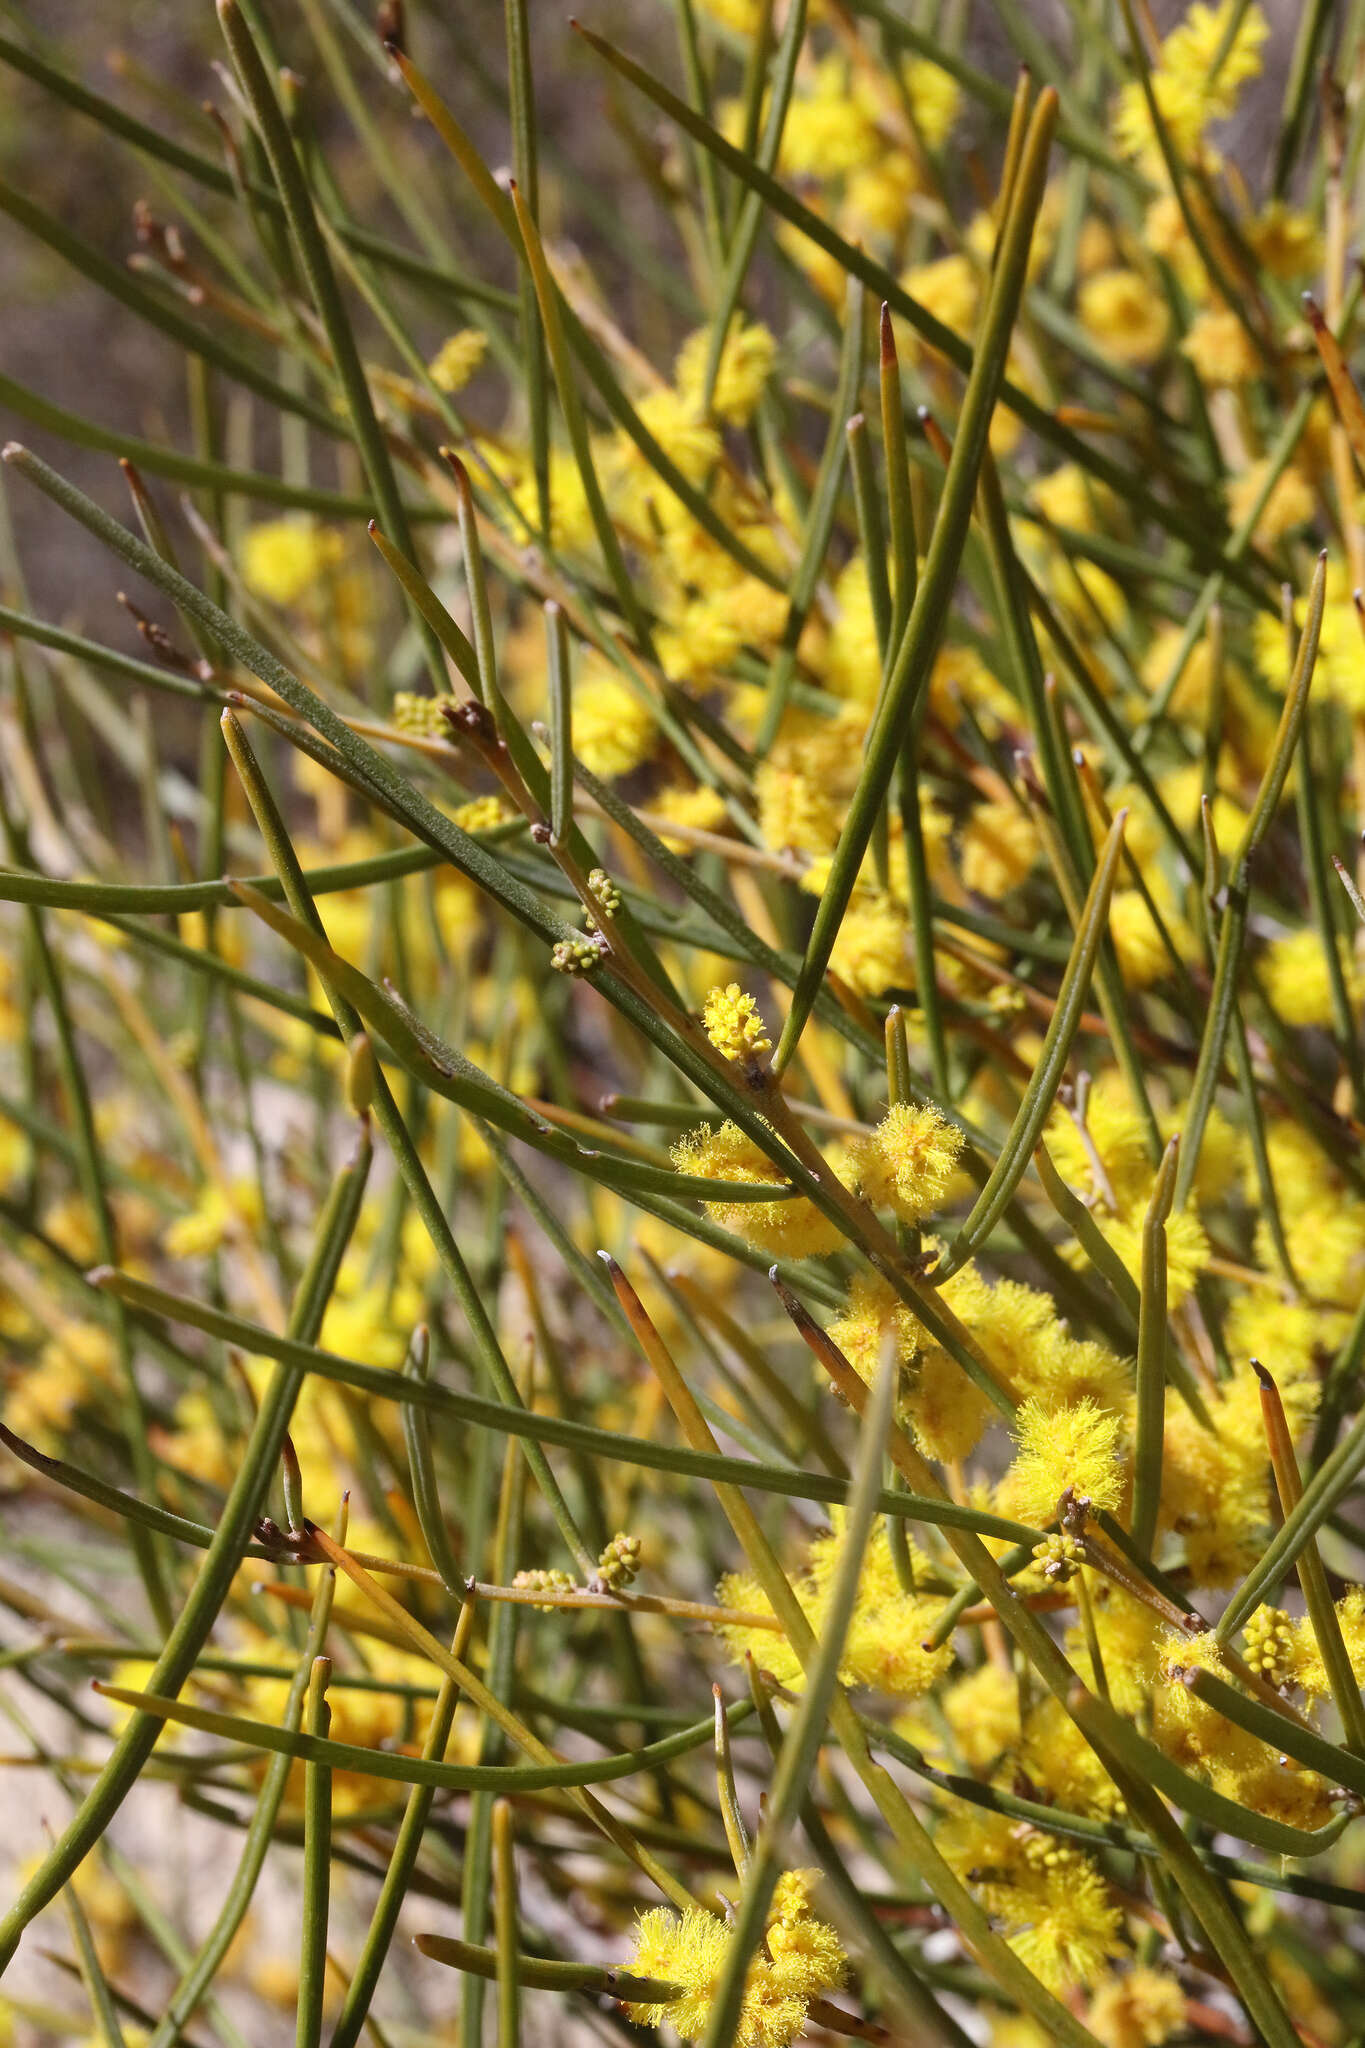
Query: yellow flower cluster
pixel 732 1023
pixel 884 1647
pixel 800 1960
pixel 1190 93
pixel 907 1163
pixel 791 1226
pixel 286 559
pixel 1049 1895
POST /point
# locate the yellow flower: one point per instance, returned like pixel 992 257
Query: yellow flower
pixel 1187 1249
pixel 1304 1176
pixel 613 732
pixel 946 1412
pixel 699 807
pixel 421 713
pixel 1056 1757
pixel 1110 1163
pixel 456 360
pixel 1067 1368
pixel 283 559
pixel 1326 1248
pixel 481 814
pixel 877 198
pixel 634 488
pixel 220 1213
pixel 795 813
pixel 1189 97
pixel 873 1312
pixel 703 635
pixel 732 1023
pixel 1213 1482
pixel 1074 1445
pixel 1125 314
pixel 908 1161
pixel 1294 973
pixel 852 661
pixel 1237 1764
pixel 1129 1636
pixel 982 1710
pixel 1049 1896
pixel 824 270
pixel 935 98
pixel 872 950
pixel 1008 1320
pixel 371 1322
pixel 1291 501
pixel 1286 241
pixel 949 289
pixel 740 15
pixel 1070 498
pixel 1140 2009
pixel 999 847
pixel 794 1227
pixel 1220 348
pixel 1166 233
pixel 1095 247
pixel 830 128
pixel 571 520
pixel 884 1647
pixel 746 362
pixel 1294 1338
pixel 961 677
pixel 803 785
pixel 1142 955
pixel 800 1960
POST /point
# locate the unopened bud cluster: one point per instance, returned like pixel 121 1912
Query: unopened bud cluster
pixel 577 955
pixel 544 1582
pixel 1059 1557
pixel 604 892
pixel 619 1562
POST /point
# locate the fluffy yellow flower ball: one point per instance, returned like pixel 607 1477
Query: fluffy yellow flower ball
pixel 908 1162
pixel 1121 311
pixel 282 559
